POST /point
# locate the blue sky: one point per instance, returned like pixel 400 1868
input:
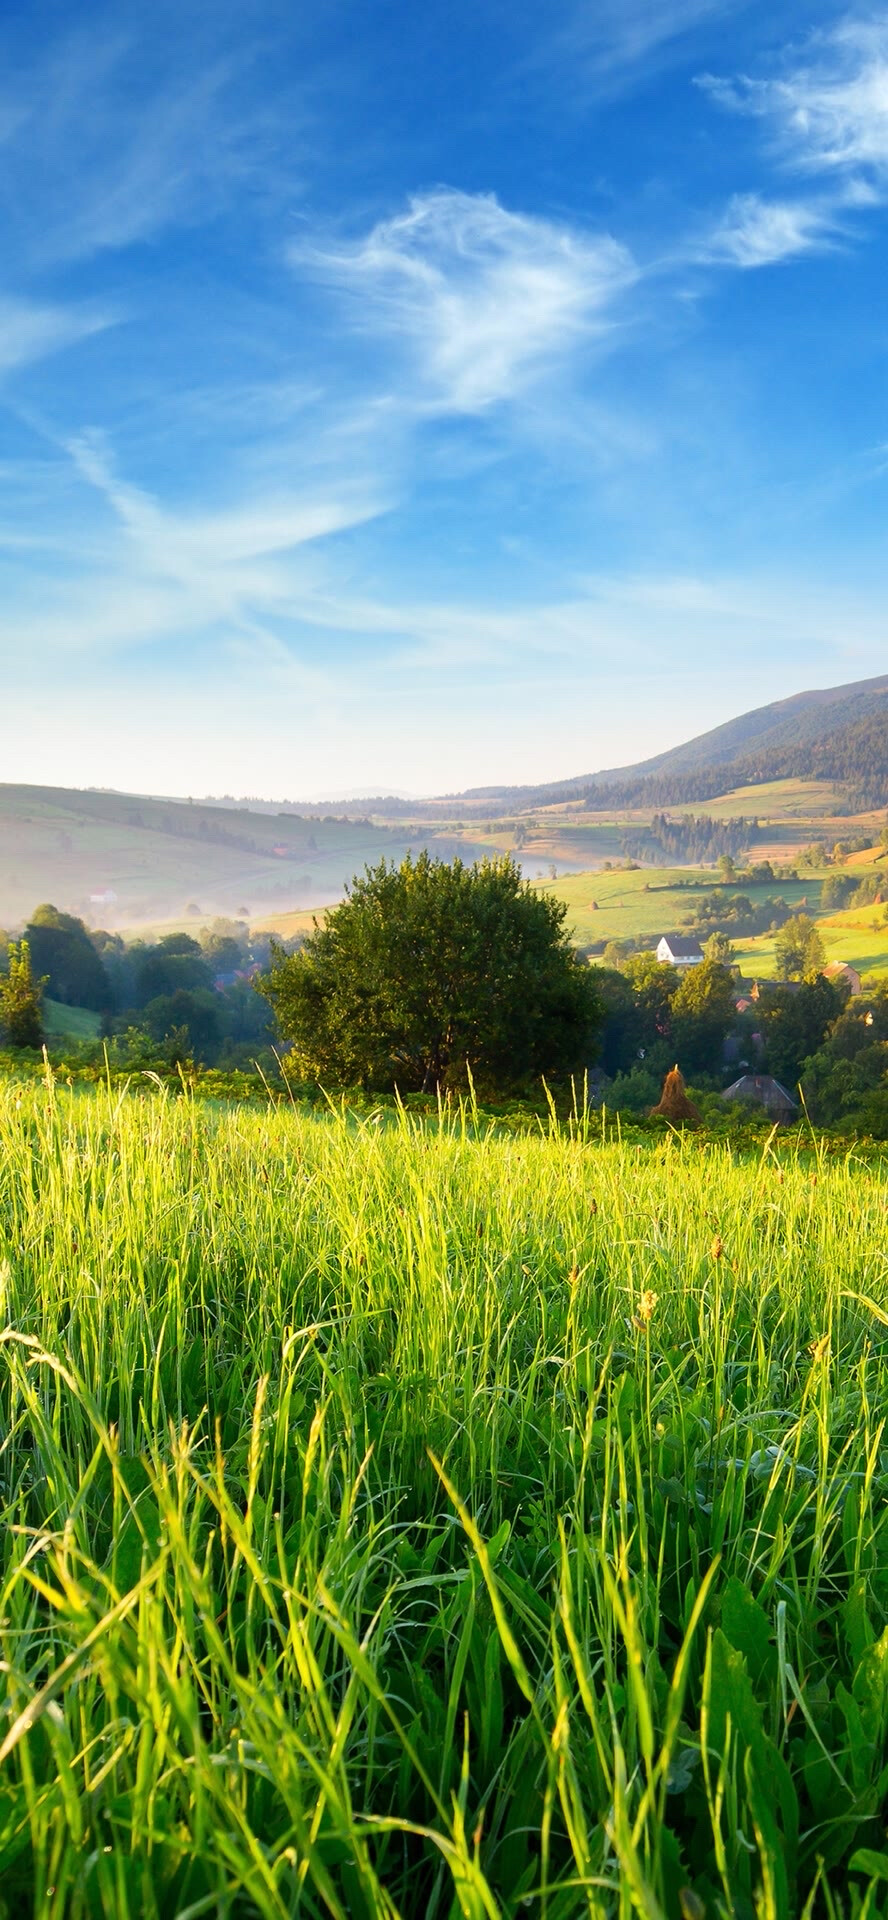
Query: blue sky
pixel 400 397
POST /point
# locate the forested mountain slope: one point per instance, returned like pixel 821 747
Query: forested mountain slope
pixel 835 733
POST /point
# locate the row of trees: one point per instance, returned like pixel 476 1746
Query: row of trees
pixel 693 838
pixel 434 975
pixel 189 996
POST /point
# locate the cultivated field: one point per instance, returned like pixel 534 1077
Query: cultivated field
pixel 399 1521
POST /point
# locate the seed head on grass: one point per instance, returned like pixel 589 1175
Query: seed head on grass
pixel 644 1312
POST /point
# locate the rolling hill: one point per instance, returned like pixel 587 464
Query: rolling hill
pixel 123 860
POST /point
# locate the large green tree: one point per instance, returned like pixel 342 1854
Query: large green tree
pixel 429 971
pixel 798 949
pixel 702 1014
pixel 61 948
pixel 795 1025
pixel 21 1000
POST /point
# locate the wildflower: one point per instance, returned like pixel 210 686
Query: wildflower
pixel 644 1311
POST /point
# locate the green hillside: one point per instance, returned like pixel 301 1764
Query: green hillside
pixel 804 720
pixel 834 735
pixel 627 905
pixel 859 937
pixel 121 860
pixel 69 1023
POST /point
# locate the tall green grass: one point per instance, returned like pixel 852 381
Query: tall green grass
pixel 399 1521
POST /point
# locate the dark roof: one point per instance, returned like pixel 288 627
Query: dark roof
pixel 762 1088
pixel 683 947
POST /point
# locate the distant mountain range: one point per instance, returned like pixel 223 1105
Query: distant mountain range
pixel 124 859
pixel 785 731
pixel 835 734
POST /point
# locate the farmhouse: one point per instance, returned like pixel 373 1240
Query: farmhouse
pixel 676 950
pixel 760 1090
pixel 843 975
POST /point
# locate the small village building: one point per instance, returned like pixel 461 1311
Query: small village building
pixel 774 989
pixel 677 950
pixel 843 975
pixel 762 1090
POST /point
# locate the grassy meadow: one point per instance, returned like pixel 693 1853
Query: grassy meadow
pixel 859 936
pixel 412 1519
pixel 654 900
pixel 626 903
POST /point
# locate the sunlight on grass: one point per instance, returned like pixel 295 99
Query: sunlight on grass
pixel 400 1519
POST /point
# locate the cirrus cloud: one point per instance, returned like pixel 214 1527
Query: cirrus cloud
pixel 829 112
pixel 480 299
pixel 757 233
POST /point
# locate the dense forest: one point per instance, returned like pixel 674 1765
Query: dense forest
pixel 843 741
pixel 693 839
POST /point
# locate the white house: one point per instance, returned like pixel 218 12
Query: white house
pixel 677 951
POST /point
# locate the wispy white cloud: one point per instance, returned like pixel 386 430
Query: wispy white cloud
pixel 107 142
pixel 238 570
pixel 754 232
pixel 29 331
pixel 480 298
pixel 217 540
pixel 826 115
pixel 828 111
pixel 614 45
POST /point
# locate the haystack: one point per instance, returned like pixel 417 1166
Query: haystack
pixel 673 1103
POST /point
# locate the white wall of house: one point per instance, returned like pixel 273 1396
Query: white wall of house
pixel 665 954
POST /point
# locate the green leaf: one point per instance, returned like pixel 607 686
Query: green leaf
pixel 773 1865
pixel 856 1621
pixel 861 1750
pixel 747 1627
pixel 865 1860
pixel 731 1695
pixel 870 1689
pixel 498 1541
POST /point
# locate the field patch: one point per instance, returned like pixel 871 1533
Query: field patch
pixel 75 1023
pixel 395 1509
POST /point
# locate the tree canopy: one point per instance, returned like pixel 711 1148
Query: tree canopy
pixel 62 950
pixel 431 971
pixel 21 1000
pixel 798 949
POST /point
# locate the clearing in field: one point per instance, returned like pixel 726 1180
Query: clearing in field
pixel 405 1521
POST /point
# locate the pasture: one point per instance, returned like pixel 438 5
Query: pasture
pixel 408 1519
pixel 650 901
pixel 859 936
